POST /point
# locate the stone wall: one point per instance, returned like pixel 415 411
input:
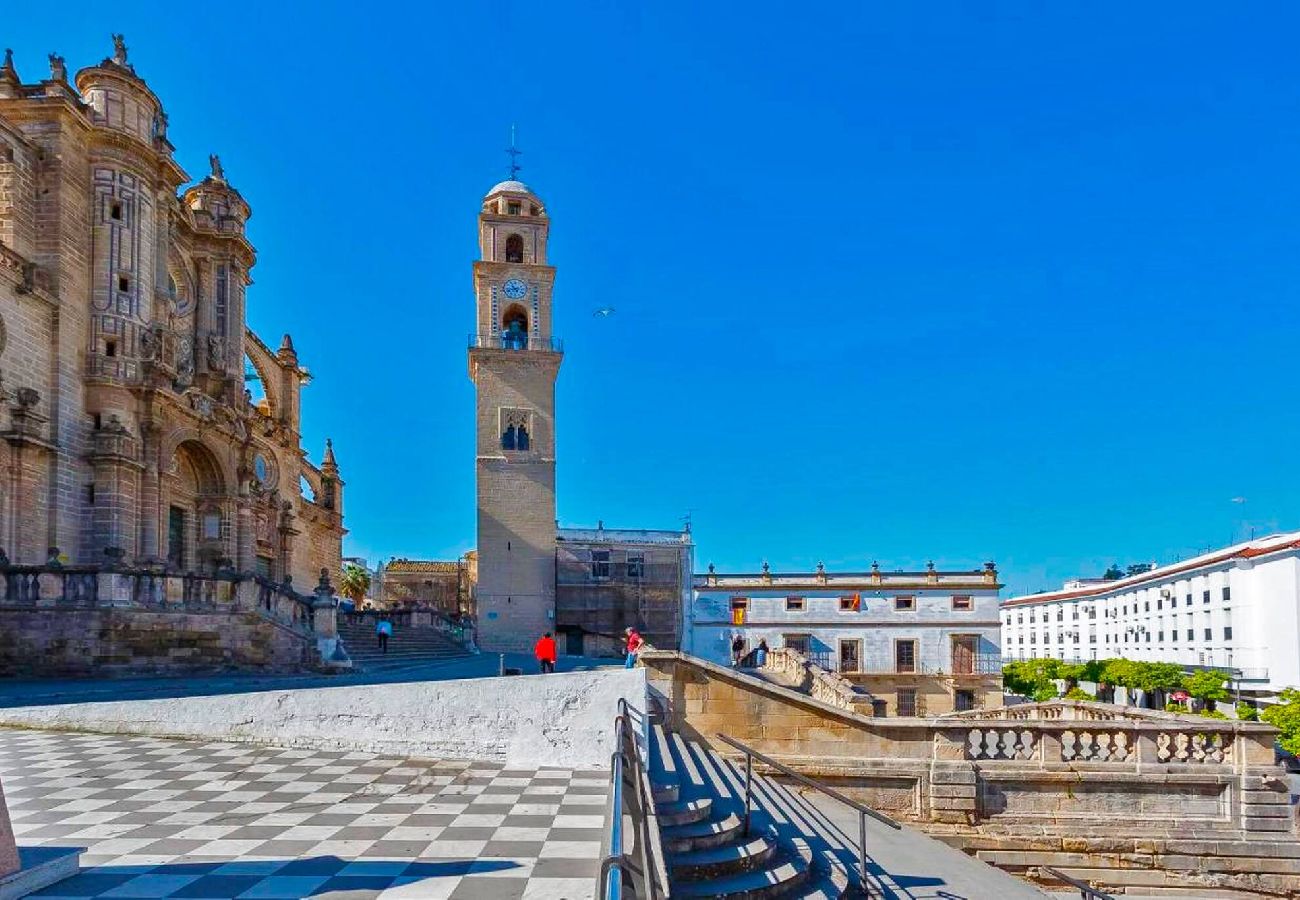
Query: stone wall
pixel 82 621
pixel 137 641
pixel 564 720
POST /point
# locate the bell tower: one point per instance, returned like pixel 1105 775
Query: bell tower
pixel 514 361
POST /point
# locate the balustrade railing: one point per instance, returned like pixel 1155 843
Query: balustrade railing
pixel 87 586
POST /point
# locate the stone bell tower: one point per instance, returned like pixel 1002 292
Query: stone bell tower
pixel 513 361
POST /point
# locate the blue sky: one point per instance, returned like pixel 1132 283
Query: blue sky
pixel 955 282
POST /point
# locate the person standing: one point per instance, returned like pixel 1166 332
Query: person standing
pixel 383 630
pixel 546 654
pixel 737 650
pixel 634 642
pixel 760 658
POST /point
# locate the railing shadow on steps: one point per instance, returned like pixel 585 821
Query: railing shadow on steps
pixel 862 810
pixel 643 872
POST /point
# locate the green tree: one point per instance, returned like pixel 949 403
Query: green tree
pixel 1247 713
pixel 1071 672
pixel 1285 717
pixel 1158 676
pixel 1113 573
pixel 354 583
pixel 1118 672
pixel 1207 685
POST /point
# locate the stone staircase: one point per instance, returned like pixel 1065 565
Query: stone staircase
pixel 702 828
pixel 800 844
pixel 407 646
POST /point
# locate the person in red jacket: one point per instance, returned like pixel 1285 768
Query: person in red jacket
pixel 634 642
pixel 545 652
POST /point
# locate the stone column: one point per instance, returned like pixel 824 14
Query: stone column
pixel 243 534
pixel 150 497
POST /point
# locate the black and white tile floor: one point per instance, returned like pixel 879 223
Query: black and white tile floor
pixel 169 818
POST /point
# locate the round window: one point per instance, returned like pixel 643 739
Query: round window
pixel 261 469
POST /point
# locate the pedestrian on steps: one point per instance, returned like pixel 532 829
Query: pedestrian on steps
pixel 545 652
pixel 634 642
pixel 383 630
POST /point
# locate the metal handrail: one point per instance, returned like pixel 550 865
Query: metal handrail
pixel 862 810
pixel 1086 891
pixel 626 761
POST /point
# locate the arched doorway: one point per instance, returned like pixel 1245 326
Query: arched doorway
pixel 196 525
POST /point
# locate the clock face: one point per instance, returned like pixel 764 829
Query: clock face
pixel 514 289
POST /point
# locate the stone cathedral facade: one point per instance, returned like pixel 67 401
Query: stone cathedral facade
pixel 130 433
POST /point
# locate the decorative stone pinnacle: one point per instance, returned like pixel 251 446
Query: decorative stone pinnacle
pixel 8 70
pixel 218 173
pixel 119 50
pixel 324 586
pixel 286 345
pixel 58 71
pixel 710 568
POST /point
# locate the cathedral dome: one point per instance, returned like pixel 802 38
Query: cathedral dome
pixel 510 187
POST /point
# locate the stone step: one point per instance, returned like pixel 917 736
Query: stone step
pixel 685 811
pixel 729 859
pixel 700 835
pixel 788 875
pixel 666 793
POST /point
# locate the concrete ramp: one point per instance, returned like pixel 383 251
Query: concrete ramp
pixel 563 720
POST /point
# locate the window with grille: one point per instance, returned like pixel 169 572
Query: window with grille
pixel 906 702
pixel 599 563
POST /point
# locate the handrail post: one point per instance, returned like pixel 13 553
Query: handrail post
pixel 749 770
pixel 862 852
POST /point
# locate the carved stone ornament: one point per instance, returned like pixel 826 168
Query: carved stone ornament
pixel 27 397
pixel 216 352
pixel 148 343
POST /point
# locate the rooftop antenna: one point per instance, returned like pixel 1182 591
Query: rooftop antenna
pixel 515 153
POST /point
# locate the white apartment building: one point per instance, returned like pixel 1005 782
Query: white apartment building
pixel 1237 608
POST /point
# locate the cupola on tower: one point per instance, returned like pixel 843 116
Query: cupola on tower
pixel 514 360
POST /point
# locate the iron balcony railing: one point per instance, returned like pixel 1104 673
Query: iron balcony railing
pixel 979 664
pixel 506 340
pixel 862 810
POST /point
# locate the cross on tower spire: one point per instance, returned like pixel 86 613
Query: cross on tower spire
pixel 515 153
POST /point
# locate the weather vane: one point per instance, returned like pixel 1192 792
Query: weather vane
pixel 514 155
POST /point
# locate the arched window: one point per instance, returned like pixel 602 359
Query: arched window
pixel 522 439
pixel 514 249
pixel 510 438
pixel 514 329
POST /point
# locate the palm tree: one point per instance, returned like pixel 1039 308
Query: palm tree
pixel 354 583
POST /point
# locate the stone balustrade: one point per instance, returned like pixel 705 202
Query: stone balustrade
pixel 822 684
pixel 39 603
pixel 1057 765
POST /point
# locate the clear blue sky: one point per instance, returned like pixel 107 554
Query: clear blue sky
pixel 898 283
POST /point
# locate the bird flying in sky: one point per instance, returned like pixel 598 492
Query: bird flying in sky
pixel 604 312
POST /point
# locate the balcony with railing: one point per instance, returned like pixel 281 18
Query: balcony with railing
pixel 516 340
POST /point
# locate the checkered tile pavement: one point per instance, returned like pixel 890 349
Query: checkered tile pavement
pixel 164 818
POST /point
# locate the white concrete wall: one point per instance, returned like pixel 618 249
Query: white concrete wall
pixel 563 720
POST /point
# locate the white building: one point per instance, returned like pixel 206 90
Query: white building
pixel 920 641
pixel 1237 608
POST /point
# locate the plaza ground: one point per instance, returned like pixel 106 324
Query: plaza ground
pixel 169 818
